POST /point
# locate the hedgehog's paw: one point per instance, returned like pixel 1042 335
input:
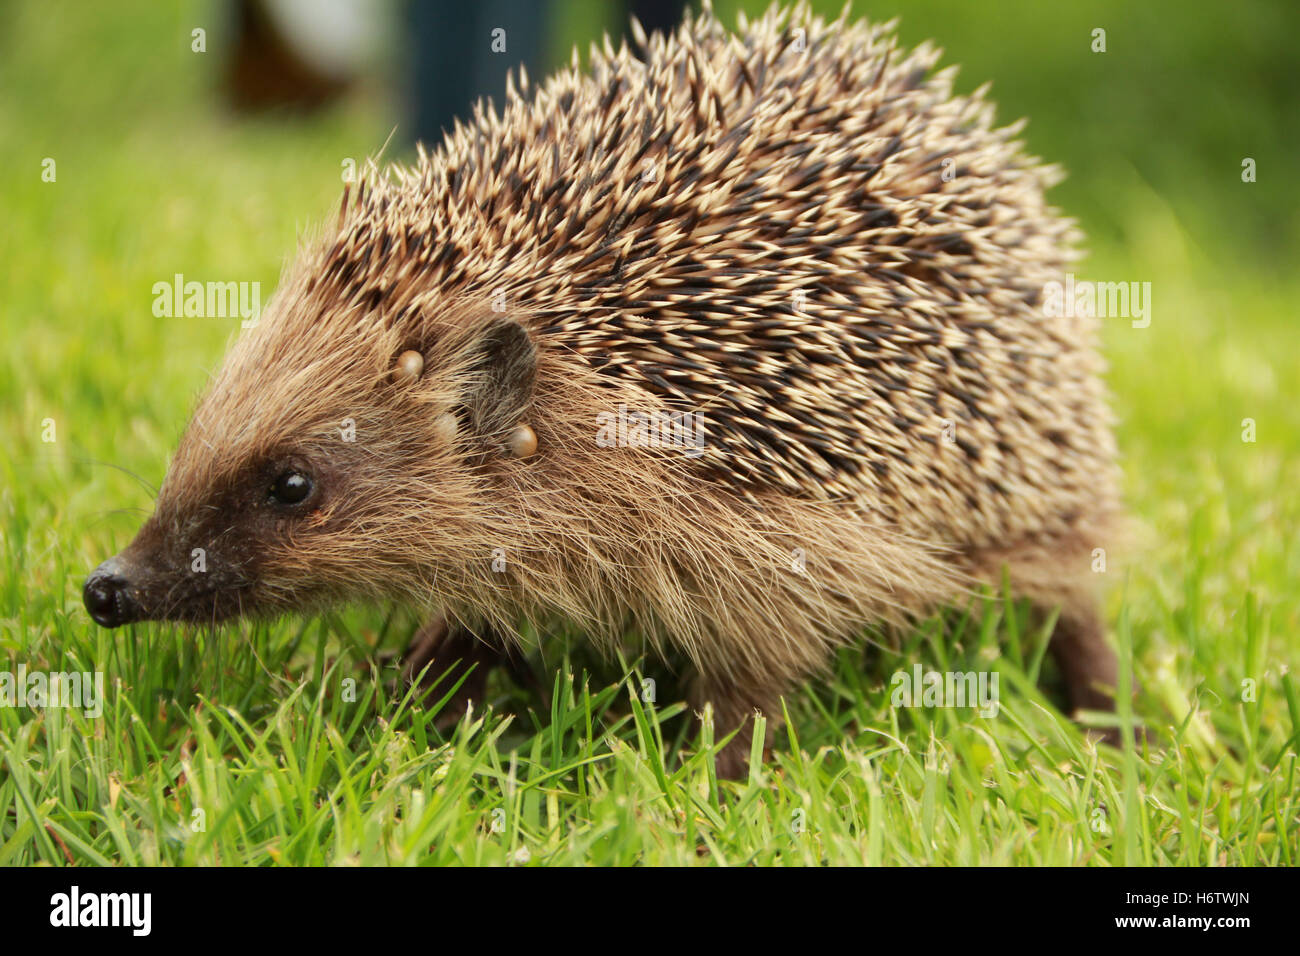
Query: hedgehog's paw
pixel 442 653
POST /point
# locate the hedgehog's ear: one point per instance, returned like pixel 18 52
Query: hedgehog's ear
pixel 502 367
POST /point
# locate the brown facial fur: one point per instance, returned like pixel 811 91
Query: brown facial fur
pixel 736 228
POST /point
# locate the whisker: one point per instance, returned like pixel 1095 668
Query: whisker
pixel 153 492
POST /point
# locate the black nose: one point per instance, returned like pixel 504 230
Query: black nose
pixel 107 597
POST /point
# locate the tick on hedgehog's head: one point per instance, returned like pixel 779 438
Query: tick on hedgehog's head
pixel 294 483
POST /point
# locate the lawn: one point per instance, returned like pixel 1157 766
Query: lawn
pixel 296 743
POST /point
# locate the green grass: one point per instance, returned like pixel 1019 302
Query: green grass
pixel 259 728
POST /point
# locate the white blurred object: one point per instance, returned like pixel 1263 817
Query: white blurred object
pixel 335 37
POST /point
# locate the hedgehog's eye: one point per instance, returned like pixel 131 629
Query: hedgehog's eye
pixel 291 488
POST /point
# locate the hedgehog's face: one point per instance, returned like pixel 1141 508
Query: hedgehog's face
pixel 305 480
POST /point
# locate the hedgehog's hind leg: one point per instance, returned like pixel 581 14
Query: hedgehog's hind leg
pixel 450 651
pixel 1087 663
pixel 1056 578
pixel 734 702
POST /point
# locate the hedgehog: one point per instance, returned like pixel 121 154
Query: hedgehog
pixel 735 341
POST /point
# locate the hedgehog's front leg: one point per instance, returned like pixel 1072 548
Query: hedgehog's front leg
pixel 450 650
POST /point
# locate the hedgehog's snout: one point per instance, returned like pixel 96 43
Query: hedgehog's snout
pixel 107 594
